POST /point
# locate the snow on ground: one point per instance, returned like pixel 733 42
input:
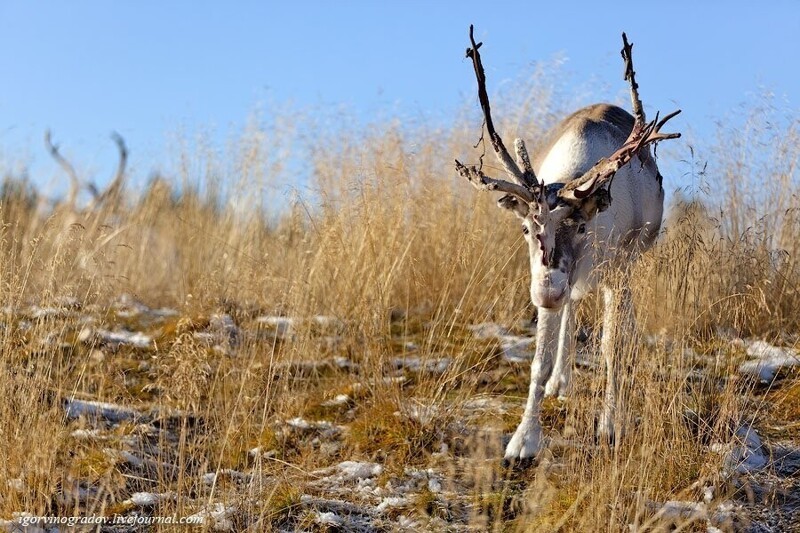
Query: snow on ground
pixel 217 516
pixel 745 453
pixel 107 411
pixel 354 494
pixel 767 360
pixel 722 515
pixel 116 338
pixel 149 499
pixel 355 470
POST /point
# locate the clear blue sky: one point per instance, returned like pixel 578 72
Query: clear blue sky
pixel 147 69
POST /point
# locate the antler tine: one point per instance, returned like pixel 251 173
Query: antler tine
pixel 75 182
pixel 524 161
pixel 630 77
pixel 524 178
pixel 119 177
pixel 664 121
pixel 484 183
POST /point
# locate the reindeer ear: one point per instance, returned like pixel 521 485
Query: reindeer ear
pixel 596 203
pixel 512 203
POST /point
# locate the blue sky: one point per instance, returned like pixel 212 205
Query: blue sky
pixel 148 69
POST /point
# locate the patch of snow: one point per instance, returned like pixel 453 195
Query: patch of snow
pixel 406 523
pixel 328 519
pixel 424 414
pixel 418 364
pixel 517 349
pixel 41 313
pixel 349 476
pixel 164 312
pixel 88 434
pixel 344 363
pixel 324 428
pixel 683 512
pixel 340 399
pixel 259 452
pixel 135 339
pixel 212 478
pixel 748 454
pixel 299 423
pixel 486 404
pixel 127 306
pixel 106 411
pixel 392 502
pixel 488 330
pixel 416 479
pixel 282 326
pixel 355 470
pixel 768 360
pixel 679 510
pixel 149 499
pixel 217 515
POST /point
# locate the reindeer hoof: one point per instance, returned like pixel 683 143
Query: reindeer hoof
pixel 557 387
pixel 518 465
pixel 525 445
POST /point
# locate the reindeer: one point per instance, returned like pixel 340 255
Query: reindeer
pixel 576 233
pixel 92 220
pixel 111 193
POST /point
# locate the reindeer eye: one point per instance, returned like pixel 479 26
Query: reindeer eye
pixel 582 229
pixel 525 230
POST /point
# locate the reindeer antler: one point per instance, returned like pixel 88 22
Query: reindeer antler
pixel 75 183
pixel 642 135
pixel 119 177
pixel 521 171
pixel 630 77
pixel 484 183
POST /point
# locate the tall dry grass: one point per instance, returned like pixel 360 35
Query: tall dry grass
pixel 391 243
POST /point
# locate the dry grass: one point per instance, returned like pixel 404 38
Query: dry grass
pixel 400 252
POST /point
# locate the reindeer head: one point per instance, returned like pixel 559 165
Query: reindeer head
pixel 557 227
pixel 556 218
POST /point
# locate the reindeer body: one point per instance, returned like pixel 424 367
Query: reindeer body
pixel 632 221
pixel 589 202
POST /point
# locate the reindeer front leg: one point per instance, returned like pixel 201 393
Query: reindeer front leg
pixel 559 382
pixel 527 440
pixel 617 324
